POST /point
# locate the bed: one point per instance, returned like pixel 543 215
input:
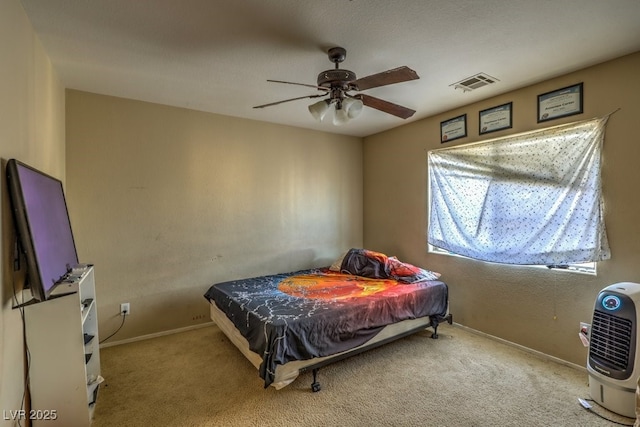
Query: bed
pixel 288 323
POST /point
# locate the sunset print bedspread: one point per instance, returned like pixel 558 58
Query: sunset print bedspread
pixel 318 312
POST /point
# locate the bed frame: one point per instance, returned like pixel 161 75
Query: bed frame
pixel 287 373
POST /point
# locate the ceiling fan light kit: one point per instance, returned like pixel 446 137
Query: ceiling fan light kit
pixel 353 106
pixel 345 110
pixel 340 117
pixel 319 109
pixel 337 83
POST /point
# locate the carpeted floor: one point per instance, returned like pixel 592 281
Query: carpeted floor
pixel 198 378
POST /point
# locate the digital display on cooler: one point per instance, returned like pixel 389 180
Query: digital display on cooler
pixel 611 302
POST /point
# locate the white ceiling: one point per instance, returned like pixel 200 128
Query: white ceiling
pixel 216 55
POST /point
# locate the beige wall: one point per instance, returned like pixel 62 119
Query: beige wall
pixel 534 307
pixel 31 130
pixel 167 201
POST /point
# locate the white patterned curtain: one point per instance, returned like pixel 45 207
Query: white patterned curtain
pixel 532 198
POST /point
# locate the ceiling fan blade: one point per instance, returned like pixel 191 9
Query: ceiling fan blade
pixel 299 84
pixel 386 106
pixel 291 99
pixel 397 75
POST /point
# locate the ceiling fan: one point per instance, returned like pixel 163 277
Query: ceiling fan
pixel 337 83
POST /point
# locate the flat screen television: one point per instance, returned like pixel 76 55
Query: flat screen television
pixel 43 227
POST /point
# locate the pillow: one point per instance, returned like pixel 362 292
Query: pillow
pixel 337 264
pixel 408 273
pixel 376 265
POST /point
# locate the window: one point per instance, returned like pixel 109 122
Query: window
pixel 528 199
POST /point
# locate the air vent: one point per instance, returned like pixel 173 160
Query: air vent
pixel 611 341
pixel 474 82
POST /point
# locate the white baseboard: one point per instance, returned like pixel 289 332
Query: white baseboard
pixel 523 348
pixel 157 334
pixel 457 325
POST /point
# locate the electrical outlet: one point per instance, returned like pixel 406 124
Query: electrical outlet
pixel 585 328
pixel 124 309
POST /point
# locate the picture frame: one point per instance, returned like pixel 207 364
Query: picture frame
pixel 495 118
pixel 453 129
pixel 563 102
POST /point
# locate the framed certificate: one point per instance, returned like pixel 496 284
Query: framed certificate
pixel 453 128
pixel 496 118
pixel 560 103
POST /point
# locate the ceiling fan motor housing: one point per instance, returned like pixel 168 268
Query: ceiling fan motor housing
pixel 336 78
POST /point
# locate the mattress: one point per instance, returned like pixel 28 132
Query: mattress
pixel 287 373
pixel 310 314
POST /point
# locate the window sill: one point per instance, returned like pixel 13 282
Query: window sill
pixel 588 268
